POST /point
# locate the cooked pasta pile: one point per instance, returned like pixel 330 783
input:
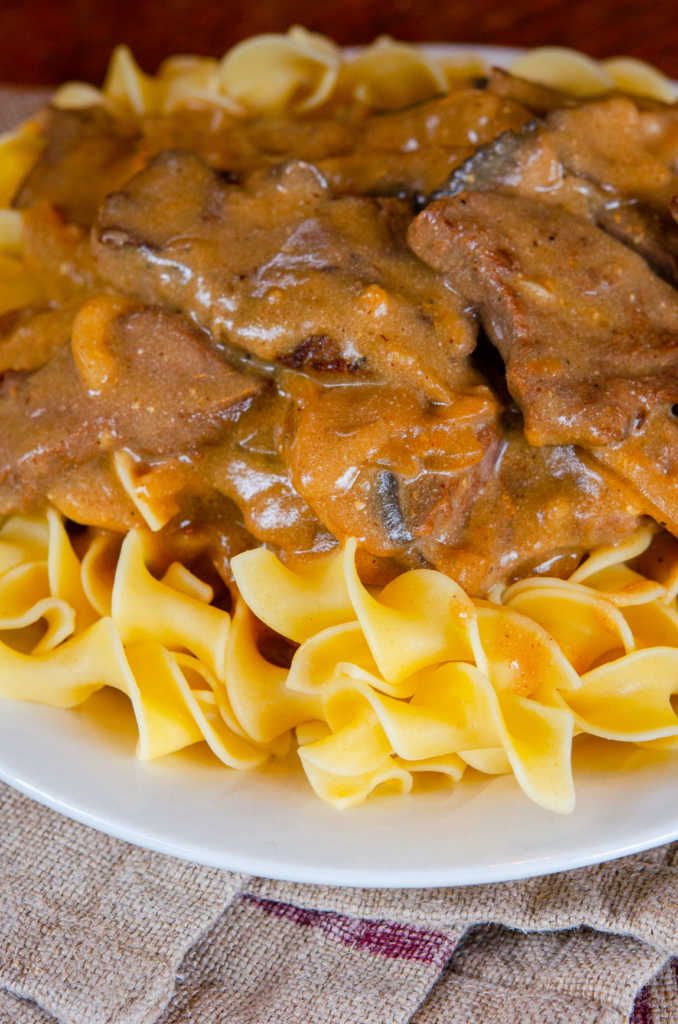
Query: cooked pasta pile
pixel 302 71
pixel 383 683
pixel 414 678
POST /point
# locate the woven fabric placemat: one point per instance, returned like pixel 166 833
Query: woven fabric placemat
pixel 96 931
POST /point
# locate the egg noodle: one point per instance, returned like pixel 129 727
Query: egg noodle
pixel 415 677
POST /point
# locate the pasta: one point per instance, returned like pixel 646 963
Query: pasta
pixel 382 683
pixel 300 71
pixel 414 678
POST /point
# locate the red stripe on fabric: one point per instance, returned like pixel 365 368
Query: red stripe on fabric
pixel 381 938
pixel 642 1010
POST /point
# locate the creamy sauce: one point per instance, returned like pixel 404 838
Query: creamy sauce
pixel 233 308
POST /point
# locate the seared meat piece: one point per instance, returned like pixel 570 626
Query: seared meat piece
pixel 247 467
pixel 599 161
pixel 389 468
pixel 539 512
pixel 285 272
pixel 89 148
pixel 29 337
pixel 326 287
pixel 588 334
pixel 154 385
pixel 406 152
pixel 540 99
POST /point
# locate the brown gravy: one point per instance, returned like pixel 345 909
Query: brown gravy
pixel 234 306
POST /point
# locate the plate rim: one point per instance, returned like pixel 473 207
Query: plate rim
pixel 281 870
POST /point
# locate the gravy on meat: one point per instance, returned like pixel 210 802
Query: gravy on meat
pixel 449 331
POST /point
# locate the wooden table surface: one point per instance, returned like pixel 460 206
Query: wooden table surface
pixel 48 41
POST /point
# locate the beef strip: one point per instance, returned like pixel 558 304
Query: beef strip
pixel 285 272
pixel 166 391
pixel 600 160
pixel 588 334
pixel 538 513
pixel 383 465
pixel 87 146
pixel 539 99
pixel 409 152
pixel 29 337
pixel 391 452
pixel 247 466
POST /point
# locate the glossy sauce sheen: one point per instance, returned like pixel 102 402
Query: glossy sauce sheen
pixel 449 331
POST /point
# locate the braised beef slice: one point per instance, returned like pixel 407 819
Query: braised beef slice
pixel 247 466
pixel 588 334
pixel 601 160
pixel 30 337
pixel 539 99
pixel 89 147
pixel 383 465
pixel 540 510
pixel 285 272
pixel 170 392
pixel 409 152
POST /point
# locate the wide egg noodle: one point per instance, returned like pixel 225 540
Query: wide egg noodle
pixel 490 761
pixel 654 624
pixel 127 87
pixel 300 71
pixel 64 571
pixel 40 580
pixel 269 73
pixel 344 791
pixel 562 68
pixel 536 739
pixel 193 81
pixel 389 75
pixel 257 689
pixel 454 709
pixel 420 618
pixel 357 747
pixel 155 509
pixel 339 652
pixel 609 555
pixel 520 656
pixel 585 625
pixel 25 600
pixel 144 607
pixel 171 715
pixel 68 674
pixel 23 539
pixel 630 698
pixel 638 78
pixel 97 570
pixel 179 577
pixel 623 586
pixel 77 96
pixel 295 603
pixel 212 696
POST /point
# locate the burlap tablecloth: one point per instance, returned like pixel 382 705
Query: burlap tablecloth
pixel 94 931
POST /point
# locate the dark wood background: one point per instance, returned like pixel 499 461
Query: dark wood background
pixel 47 41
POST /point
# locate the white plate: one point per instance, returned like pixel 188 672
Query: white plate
pixel 270 823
